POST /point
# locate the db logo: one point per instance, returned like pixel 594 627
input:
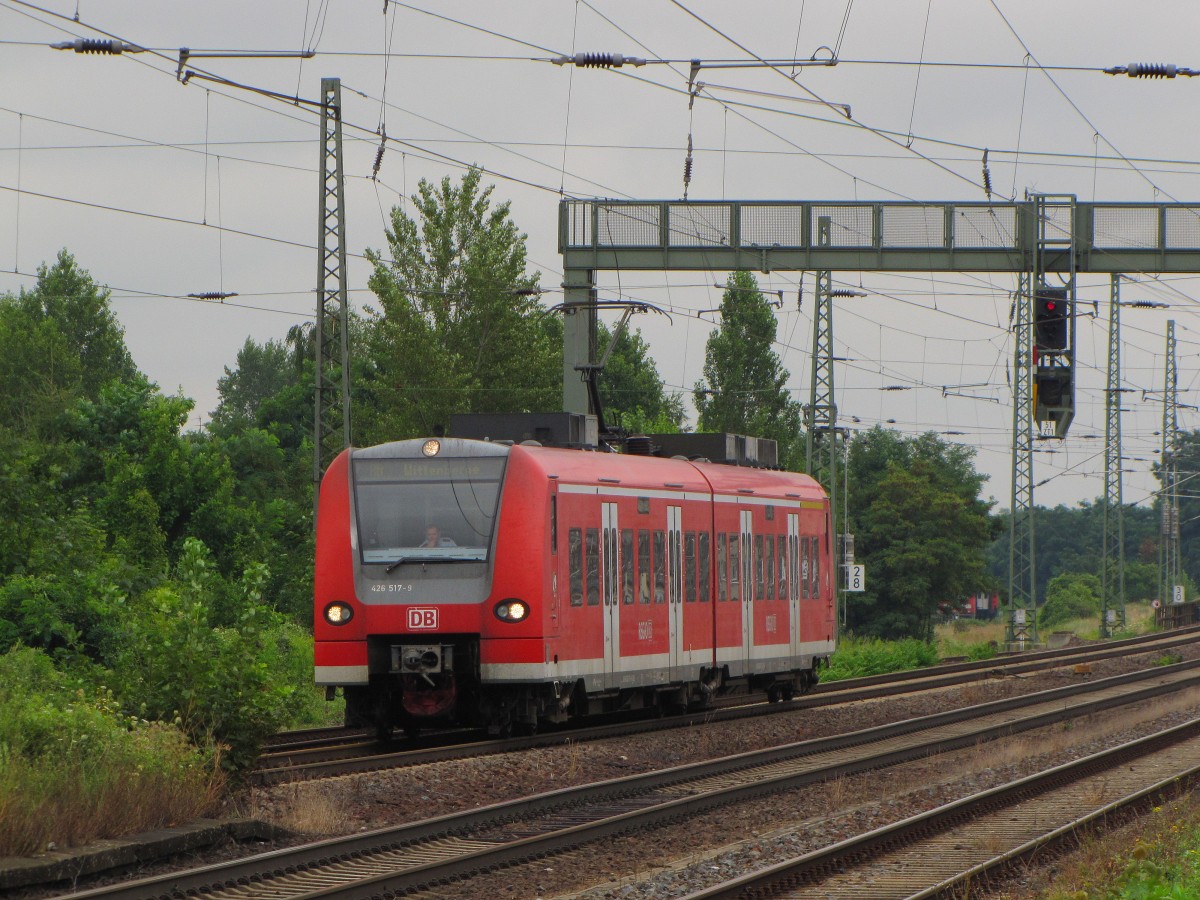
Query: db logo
pixel 422 618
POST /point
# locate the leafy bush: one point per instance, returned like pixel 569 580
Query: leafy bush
pixel 859 657
pixel 982 650
pixel 74 768
pixel 226 686
pixel 1070 596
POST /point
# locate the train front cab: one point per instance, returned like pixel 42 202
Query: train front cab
pixel 398 619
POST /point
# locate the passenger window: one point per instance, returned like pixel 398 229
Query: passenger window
pixel 609 570
pixel 689 565
pixel 758 567
pixel 816 568
pixel 769 565
pixel 722 587
pixel 794 564
pixel 746 547
pixel 660 567
pixel 705 566
pixel 782 558
pixel 643 563
pixel 593 566
pixel 735 568
pixel 804 575
pixel 575 564
pixel 627 566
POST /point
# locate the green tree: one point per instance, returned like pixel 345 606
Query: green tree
pixel 1186 458
pixel 58 341
pixel 1141 581
pixel 632 391
pixel 262 432
pixel 1071 539
pixel 220 682
pixel 742 390
pixel 40 372
pixel 262 372
pixel 67 295
pixel 459 327
pixel 920 528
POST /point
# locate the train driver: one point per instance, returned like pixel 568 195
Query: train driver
pixel 433 538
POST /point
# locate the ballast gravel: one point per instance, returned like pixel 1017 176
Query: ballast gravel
pixel 676 860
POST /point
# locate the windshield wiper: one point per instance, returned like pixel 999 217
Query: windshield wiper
pixel 430 559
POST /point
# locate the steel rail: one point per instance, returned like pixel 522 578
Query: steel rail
pixel 909 859
pixel 476 840
pixel 333 763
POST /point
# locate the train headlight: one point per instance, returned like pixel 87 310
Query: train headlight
pixel 511 610
pixel 339 613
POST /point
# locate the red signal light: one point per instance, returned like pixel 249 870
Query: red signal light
pixel 1051 306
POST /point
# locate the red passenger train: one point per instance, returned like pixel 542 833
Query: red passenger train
pixel 505 585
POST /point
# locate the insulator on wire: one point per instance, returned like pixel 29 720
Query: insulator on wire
pixel 379 156
pixel 212 295
pixel 987 176
pixel 1151 70
pixel 92 45
pixel 687 169
pixel 598 60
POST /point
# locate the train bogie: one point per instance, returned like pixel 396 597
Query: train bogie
pixel 506 586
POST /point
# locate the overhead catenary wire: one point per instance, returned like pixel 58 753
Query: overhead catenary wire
pixel 937 282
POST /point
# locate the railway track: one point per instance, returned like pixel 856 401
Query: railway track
pixel 949 849
pixel 328 758
pixel 421 855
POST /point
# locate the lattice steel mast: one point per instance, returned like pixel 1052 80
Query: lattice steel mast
pixel 1022 620
pixel 1169 499
pixel 1112 560
pixel 332 339
pixel 1043 387
pixel 821 441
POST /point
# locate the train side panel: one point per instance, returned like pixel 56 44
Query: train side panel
pixel 517 651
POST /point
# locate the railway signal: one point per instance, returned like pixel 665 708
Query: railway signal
pixel 1052 311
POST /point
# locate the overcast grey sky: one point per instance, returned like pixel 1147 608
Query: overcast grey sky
pixel 162 189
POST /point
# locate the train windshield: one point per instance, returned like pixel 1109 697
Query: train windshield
pixel 426 510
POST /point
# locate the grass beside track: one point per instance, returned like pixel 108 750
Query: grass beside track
pixel 1154 858
pixel 73 768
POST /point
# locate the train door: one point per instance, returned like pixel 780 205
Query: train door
pixel 675 582
pixel 611 587
pixel 747 598
pixel 793 587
